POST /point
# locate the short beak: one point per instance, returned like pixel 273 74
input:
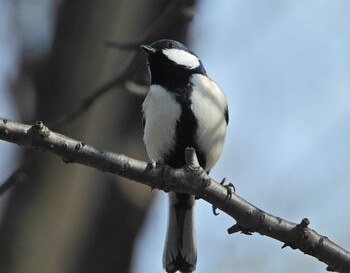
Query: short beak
pixel 148 49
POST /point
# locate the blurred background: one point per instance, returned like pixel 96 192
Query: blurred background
pixel 285 68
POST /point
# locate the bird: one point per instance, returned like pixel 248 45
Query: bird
pixel 183 108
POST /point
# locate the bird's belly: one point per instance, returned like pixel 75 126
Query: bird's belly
pixel 161 112
pixel 209 105
pixel 198 122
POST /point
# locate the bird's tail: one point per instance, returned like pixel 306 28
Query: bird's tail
pixel 180 253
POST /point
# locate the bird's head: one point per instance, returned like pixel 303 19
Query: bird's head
pixel 169 56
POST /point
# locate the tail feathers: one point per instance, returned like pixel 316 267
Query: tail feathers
pixel 180 253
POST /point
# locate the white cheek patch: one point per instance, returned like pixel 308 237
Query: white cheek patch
pixel 182 57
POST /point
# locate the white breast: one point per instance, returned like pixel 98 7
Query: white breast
pixel 209 106
pixel 161 112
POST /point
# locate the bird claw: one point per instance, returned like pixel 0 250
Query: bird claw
pixel 230 188
pixel 155 162
pixel 214 210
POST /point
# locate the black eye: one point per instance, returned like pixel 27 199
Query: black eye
pixel 171 45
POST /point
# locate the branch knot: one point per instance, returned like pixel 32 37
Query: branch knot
pixel 39 129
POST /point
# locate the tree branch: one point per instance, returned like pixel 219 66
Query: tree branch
pixel 190 179
pixel 88 101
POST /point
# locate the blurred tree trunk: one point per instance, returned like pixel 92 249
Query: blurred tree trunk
pixel 67 218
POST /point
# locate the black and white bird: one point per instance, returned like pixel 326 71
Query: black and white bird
pixel 184 108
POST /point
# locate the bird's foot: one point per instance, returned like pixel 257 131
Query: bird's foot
pixel 230 188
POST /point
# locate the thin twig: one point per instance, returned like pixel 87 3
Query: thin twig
pixel 151 30
pixel 118 80
pixel 87 102
pixel 20 173
pixel 190 179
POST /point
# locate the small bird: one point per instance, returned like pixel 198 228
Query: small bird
pixel 183 108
